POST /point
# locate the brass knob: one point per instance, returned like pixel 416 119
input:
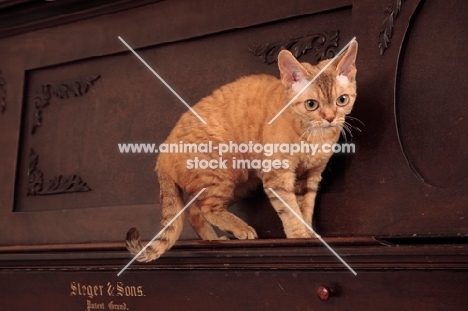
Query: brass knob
pixel 325 292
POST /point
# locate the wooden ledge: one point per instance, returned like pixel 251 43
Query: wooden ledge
pixel 361 253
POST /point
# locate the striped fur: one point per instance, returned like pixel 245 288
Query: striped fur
pixel 240 112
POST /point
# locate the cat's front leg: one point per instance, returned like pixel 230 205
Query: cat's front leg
pixel 306 203
pixel 301 190
pixel 306 209
pixel 282 182
pixel 308 199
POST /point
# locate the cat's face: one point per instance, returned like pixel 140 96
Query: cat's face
pixel 325 103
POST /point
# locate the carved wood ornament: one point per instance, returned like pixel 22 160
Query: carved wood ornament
pixel 57 185
pixel 61 183
pixel 386 29
pixel 323 45
pixel 61 90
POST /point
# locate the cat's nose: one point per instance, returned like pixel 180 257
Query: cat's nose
pixel 328 115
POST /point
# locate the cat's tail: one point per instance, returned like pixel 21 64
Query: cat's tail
pixel 171 203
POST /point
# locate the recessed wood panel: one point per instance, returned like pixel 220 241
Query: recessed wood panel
pixel 77 112
pixel 431 103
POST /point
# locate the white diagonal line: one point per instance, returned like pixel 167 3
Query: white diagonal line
pixel 311 81
pixel 162 80
pixel 160 232
pixel 312 230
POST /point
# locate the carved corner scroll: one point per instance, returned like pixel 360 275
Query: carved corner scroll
pixel 2 94
pixel 386 29
pixel 62 90
pixel 323 45
pixel 57 185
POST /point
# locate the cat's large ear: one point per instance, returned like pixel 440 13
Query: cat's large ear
pixel 347 62
pixel 291 70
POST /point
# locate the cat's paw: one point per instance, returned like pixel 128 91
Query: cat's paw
pixel 245 233
pixel 300 234
pixel 308 235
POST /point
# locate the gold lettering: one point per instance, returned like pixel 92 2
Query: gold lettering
pixel 120 289
pixel 73 288
pixel 130 291
pixel 140 291
pixel 117 289
pixel 94 306
pixel 89 290
pixel 115 306
pixel 110 289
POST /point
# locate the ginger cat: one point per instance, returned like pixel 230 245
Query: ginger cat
pixel 239 112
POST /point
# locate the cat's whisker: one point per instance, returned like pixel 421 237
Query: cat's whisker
pixel 344 135
pixel 317 126
pixel 310 134
pixel 350 126
pixel 341 122
pixel 307 130
pixel 313 137
pixel 355 119
pixel 347 128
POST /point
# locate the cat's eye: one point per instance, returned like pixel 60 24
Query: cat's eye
pixel 311 104
pixel 343 100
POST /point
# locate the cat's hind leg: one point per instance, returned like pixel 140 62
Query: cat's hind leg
pixel 201 226
pixel 213 203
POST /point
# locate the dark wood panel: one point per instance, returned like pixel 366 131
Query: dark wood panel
pixel 383 195
pixel 235 290
pixel 20 16
pixel 431 108
pixel 284 274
